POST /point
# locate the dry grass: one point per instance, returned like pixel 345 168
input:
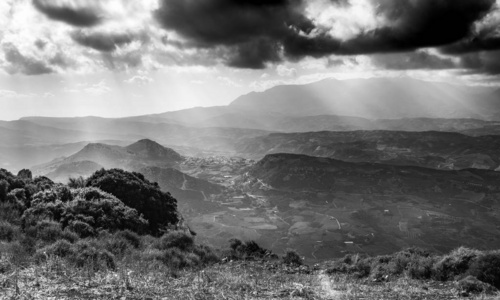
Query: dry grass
pixel 56 279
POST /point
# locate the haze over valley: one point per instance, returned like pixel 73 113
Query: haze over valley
pixel 328 168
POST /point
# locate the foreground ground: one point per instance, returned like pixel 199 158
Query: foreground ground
pixel 232 280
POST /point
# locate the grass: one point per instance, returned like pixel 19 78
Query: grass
pixel 57 278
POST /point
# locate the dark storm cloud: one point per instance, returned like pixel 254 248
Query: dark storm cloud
pixel 487 62
pixel 412 61
pixel 252 29
pixel 486 39
pixel 69 13
pixel 257 30
pixel 104 42
pixel 419 24
pixel 20 63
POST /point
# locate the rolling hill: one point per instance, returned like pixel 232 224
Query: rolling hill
pixel 431 149
pixel 135 156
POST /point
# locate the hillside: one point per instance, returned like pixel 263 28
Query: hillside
pixel 132 157
pixel 438 150
pixel 301 172
pixel 181 186
pixel 325 208
pixel 149 150
pixel 65 171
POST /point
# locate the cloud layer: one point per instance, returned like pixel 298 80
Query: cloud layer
pixel 86 35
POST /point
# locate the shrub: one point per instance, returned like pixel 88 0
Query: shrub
pixel 421 267
pixel 25 174
pixel 10 213
pixel 454 264
pixel 291 257
pixel 175 239
pixel 76 183
pixel 120 242
pixel 42 183
pixel 49 232
pixel 88 254
pixel 471 285
pixel 81 228
pixel 8 232
pixel 176 259
pixel 248 249
pixel 487 269
pixel 159 208
pixel 45 231
pixel 206 254
pixel 60 248
pixel 99 210
pixel 4 189
pixel 234 244
pixel 133 238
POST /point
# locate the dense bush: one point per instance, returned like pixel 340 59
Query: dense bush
pixel 175 239
pixel 76 183
pixel 10 213
pixel 157 207
pixel 243 250
pixel 486 268
pixel 454 264
pixel 8 232
pixel 49 232
pixel 291 257
pixel 120 243
pixel 4 189
pixel 85 211
pixel 471 285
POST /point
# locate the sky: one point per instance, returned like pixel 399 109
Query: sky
pixel 115 58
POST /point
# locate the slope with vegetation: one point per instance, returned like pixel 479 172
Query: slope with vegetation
pixel 89 239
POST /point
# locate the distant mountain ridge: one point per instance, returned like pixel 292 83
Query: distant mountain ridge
pixel 376 98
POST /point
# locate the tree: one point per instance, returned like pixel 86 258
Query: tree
pixel 159 208
pixel 25 174
pixel 78 182
pixel 86 207
pixel 4 188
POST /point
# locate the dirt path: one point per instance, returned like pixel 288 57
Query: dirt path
pixel 326 287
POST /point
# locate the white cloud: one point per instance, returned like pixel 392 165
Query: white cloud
pixel 284 71
pixel 98 88
pixel 14 94
pixel 139 80
pixel 228 81
pixel 343 21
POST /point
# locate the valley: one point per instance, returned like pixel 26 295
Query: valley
pixel 322 224
pixel 297 173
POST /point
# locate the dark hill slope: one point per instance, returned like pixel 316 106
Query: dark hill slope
pixel 180 185
pixel 306 173
pixel 149 150
pixel 439 150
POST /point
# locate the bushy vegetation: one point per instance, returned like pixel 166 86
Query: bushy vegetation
pixel 291 257
pixel 463 264
pixel 85 211
pixel 245 250
pixel 87 227
pixel 157 207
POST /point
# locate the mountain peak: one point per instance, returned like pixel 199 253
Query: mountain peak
pixel 152 150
